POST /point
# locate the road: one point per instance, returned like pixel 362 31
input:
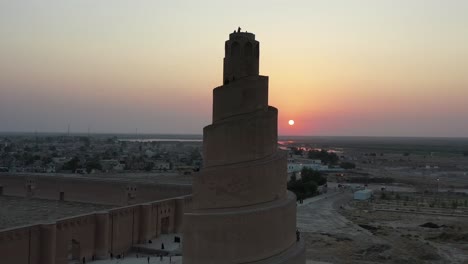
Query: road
pixel 318 215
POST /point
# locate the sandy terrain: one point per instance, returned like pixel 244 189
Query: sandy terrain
pixel 351 235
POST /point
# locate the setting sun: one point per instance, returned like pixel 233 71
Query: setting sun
pixel 291 122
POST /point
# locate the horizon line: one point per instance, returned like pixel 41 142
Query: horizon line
pixel 201 135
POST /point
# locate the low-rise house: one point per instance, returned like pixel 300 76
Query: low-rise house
pixel 362 195
pixel 111 165
pixel 50 168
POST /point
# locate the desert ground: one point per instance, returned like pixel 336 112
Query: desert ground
pixel 418 212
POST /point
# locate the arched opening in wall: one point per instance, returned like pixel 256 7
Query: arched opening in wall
pixel 248 49
pixel 165 225
pixel 235 48
pixel 257 51
pixel 226 50
pixel 73 252
pixel 62 196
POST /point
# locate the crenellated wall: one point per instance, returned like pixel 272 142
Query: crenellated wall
pixel 88 190
pixel 94 235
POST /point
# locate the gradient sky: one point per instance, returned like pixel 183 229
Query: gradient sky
pixel 363 67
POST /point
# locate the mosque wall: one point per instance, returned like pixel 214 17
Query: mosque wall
pixel 91 236
pixel 79 189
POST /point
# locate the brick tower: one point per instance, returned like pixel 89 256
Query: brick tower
pixel 241 210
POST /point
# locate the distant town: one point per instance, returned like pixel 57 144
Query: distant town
pixel 88 155
pixel 82 154
pixel 348 159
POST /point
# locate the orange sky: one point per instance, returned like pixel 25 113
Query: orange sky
pixel 370 68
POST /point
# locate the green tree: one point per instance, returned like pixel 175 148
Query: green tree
pixel 293 176
pixel 308 174
pixel 308 184
pixel 298 188
pixel 310 188
pixel 323 155
pixel 149 166
pixel 195 155
pixel 72 164
pixel 46 160
pixel 297 151
pixel 92 165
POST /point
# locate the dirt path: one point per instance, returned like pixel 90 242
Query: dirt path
pixel 320 215
pixel 331 237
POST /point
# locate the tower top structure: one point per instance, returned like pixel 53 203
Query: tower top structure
pixel 241 56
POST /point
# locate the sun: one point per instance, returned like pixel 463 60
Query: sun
pixel 291 122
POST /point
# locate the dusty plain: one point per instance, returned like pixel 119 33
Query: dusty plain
pixel 420 215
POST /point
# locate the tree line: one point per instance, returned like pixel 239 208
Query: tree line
pixel 308 184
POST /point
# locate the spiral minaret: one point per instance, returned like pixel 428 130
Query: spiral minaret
pixel 241 210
